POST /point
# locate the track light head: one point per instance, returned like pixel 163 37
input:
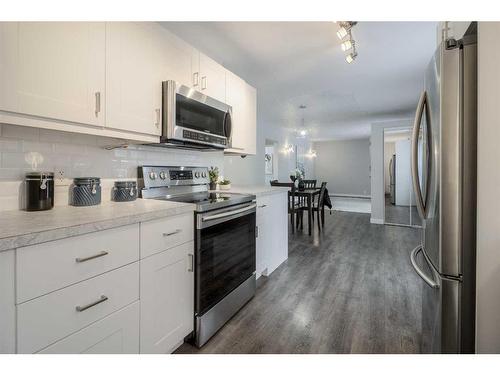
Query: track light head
pixel 347 45
pixel 351 57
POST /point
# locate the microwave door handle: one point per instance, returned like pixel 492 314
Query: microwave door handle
pixel 414 155
pixel 228 126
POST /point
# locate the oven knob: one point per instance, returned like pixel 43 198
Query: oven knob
pixel 162 175
pixel 204 174
pixel 197 174
pixel 153 175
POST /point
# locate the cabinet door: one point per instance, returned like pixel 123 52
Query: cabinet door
pixel 242 98
pixel 263 237
pixel 9 42
pixel 178 59
pixel 278 227
pixel 212 78
pixel 167 299
pixel 117 333
pixel 133 86
pixel 7 303
pixel 60 71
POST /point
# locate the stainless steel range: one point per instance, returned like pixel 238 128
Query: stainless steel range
pixel 224 242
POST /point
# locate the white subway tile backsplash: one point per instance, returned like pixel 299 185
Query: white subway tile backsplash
pixel 20 132
pixel 79 155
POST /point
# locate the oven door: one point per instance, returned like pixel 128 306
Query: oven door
pixel 225 253
pixel 190 116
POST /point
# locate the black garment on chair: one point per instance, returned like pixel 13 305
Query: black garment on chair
pixel 326 200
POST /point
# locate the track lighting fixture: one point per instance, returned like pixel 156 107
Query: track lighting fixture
pixel 344 33
pixel 351 57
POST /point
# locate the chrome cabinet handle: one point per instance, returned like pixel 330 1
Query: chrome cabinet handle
pixel 85 307
pixel 422 105
pixel 264 205
pixel 172 233
pixel 157 123
pixel 413 260
pixel 101 254
pixel 97 103
pixel 203 82
pixel 196 79
pixel 191 263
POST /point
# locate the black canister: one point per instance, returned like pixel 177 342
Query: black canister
pixel 124 191
pixel 39 191
pixel 85 191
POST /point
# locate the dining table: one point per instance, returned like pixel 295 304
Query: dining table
pixel 309 195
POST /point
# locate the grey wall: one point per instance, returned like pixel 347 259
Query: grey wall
pixel 345 165
pixel 377 165
pixel 488 204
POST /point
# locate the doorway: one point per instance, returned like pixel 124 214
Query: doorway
pixel 270 161
pixel 400 204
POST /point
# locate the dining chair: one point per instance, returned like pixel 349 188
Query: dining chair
pixel 319 206
pixel 309 184
pixel 293 205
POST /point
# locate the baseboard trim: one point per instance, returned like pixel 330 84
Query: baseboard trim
pixel 351 196
pixel 376 221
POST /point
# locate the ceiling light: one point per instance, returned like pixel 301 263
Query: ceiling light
pixel 303 132
pixel 342 32
pixel 351 57
pixel 347 45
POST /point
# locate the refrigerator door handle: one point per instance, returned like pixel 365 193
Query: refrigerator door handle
pixel 413 258
pixel 422 105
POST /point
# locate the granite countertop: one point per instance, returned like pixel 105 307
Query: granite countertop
pixel 257 190
pixel 22 228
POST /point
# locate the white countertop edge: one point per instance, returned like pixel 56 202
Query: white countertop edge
pixel 47 235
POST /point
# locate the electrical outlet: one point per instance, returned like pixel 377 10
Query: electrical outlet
pixel 60 178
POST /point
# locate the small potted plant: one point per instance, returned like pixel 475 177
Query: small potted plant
pixel 295 175
pixel 213 176
pixel 225 184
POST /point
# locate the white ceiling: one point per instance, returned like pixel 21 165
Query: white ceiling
pixel 294 63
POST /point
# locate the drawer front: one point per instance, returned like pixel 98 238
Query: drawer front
pixel 46 267
pixel 162 234
pixel 117 333
pixel 44 320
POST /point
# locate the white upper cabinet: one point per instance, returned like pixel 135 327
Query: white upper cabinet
pixel 55 70
pixel 212 78
pixel 180 61
pixel 133 71
pixel 243 99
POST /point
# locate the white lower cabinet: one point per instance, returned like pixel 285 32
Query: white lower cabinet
pixel 117 333
pixel 167 299
pixel 47 319
pixel 7 303
pixel 272 240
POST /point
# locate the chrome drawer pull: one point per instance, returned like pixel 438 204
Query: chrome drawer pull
pixel 172 233
pixel 263 206
pixel 101 254
pixel 100 300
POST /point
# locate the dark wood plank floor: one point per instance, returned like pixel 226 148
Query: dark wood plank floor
pixel 349 289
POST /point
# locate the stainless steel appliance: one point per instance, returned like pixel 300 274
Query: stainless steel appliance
pixel 194 119
pixel 392 175
pixel 225 242
pixel 444 141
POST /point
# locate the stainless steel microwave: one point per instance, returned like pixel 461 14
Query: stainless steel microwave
pixel 192 118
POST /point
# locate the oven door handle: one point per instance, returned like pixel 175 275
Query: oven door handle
pixel 229 213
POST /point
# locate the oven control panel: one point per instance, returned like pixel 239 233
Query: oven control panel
pixel 160 176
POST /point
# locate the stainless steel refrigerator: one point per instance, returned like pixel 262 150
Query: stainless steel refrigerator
pixel 392 176
pixel 444 142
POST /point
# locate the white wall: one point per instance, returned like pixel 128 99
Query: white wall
pixel 377 165
pixel 389 150
pixel 345 165
pixel 488 204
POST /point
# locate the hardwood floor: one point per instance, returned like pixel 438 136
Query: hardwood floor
pixel 348 289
